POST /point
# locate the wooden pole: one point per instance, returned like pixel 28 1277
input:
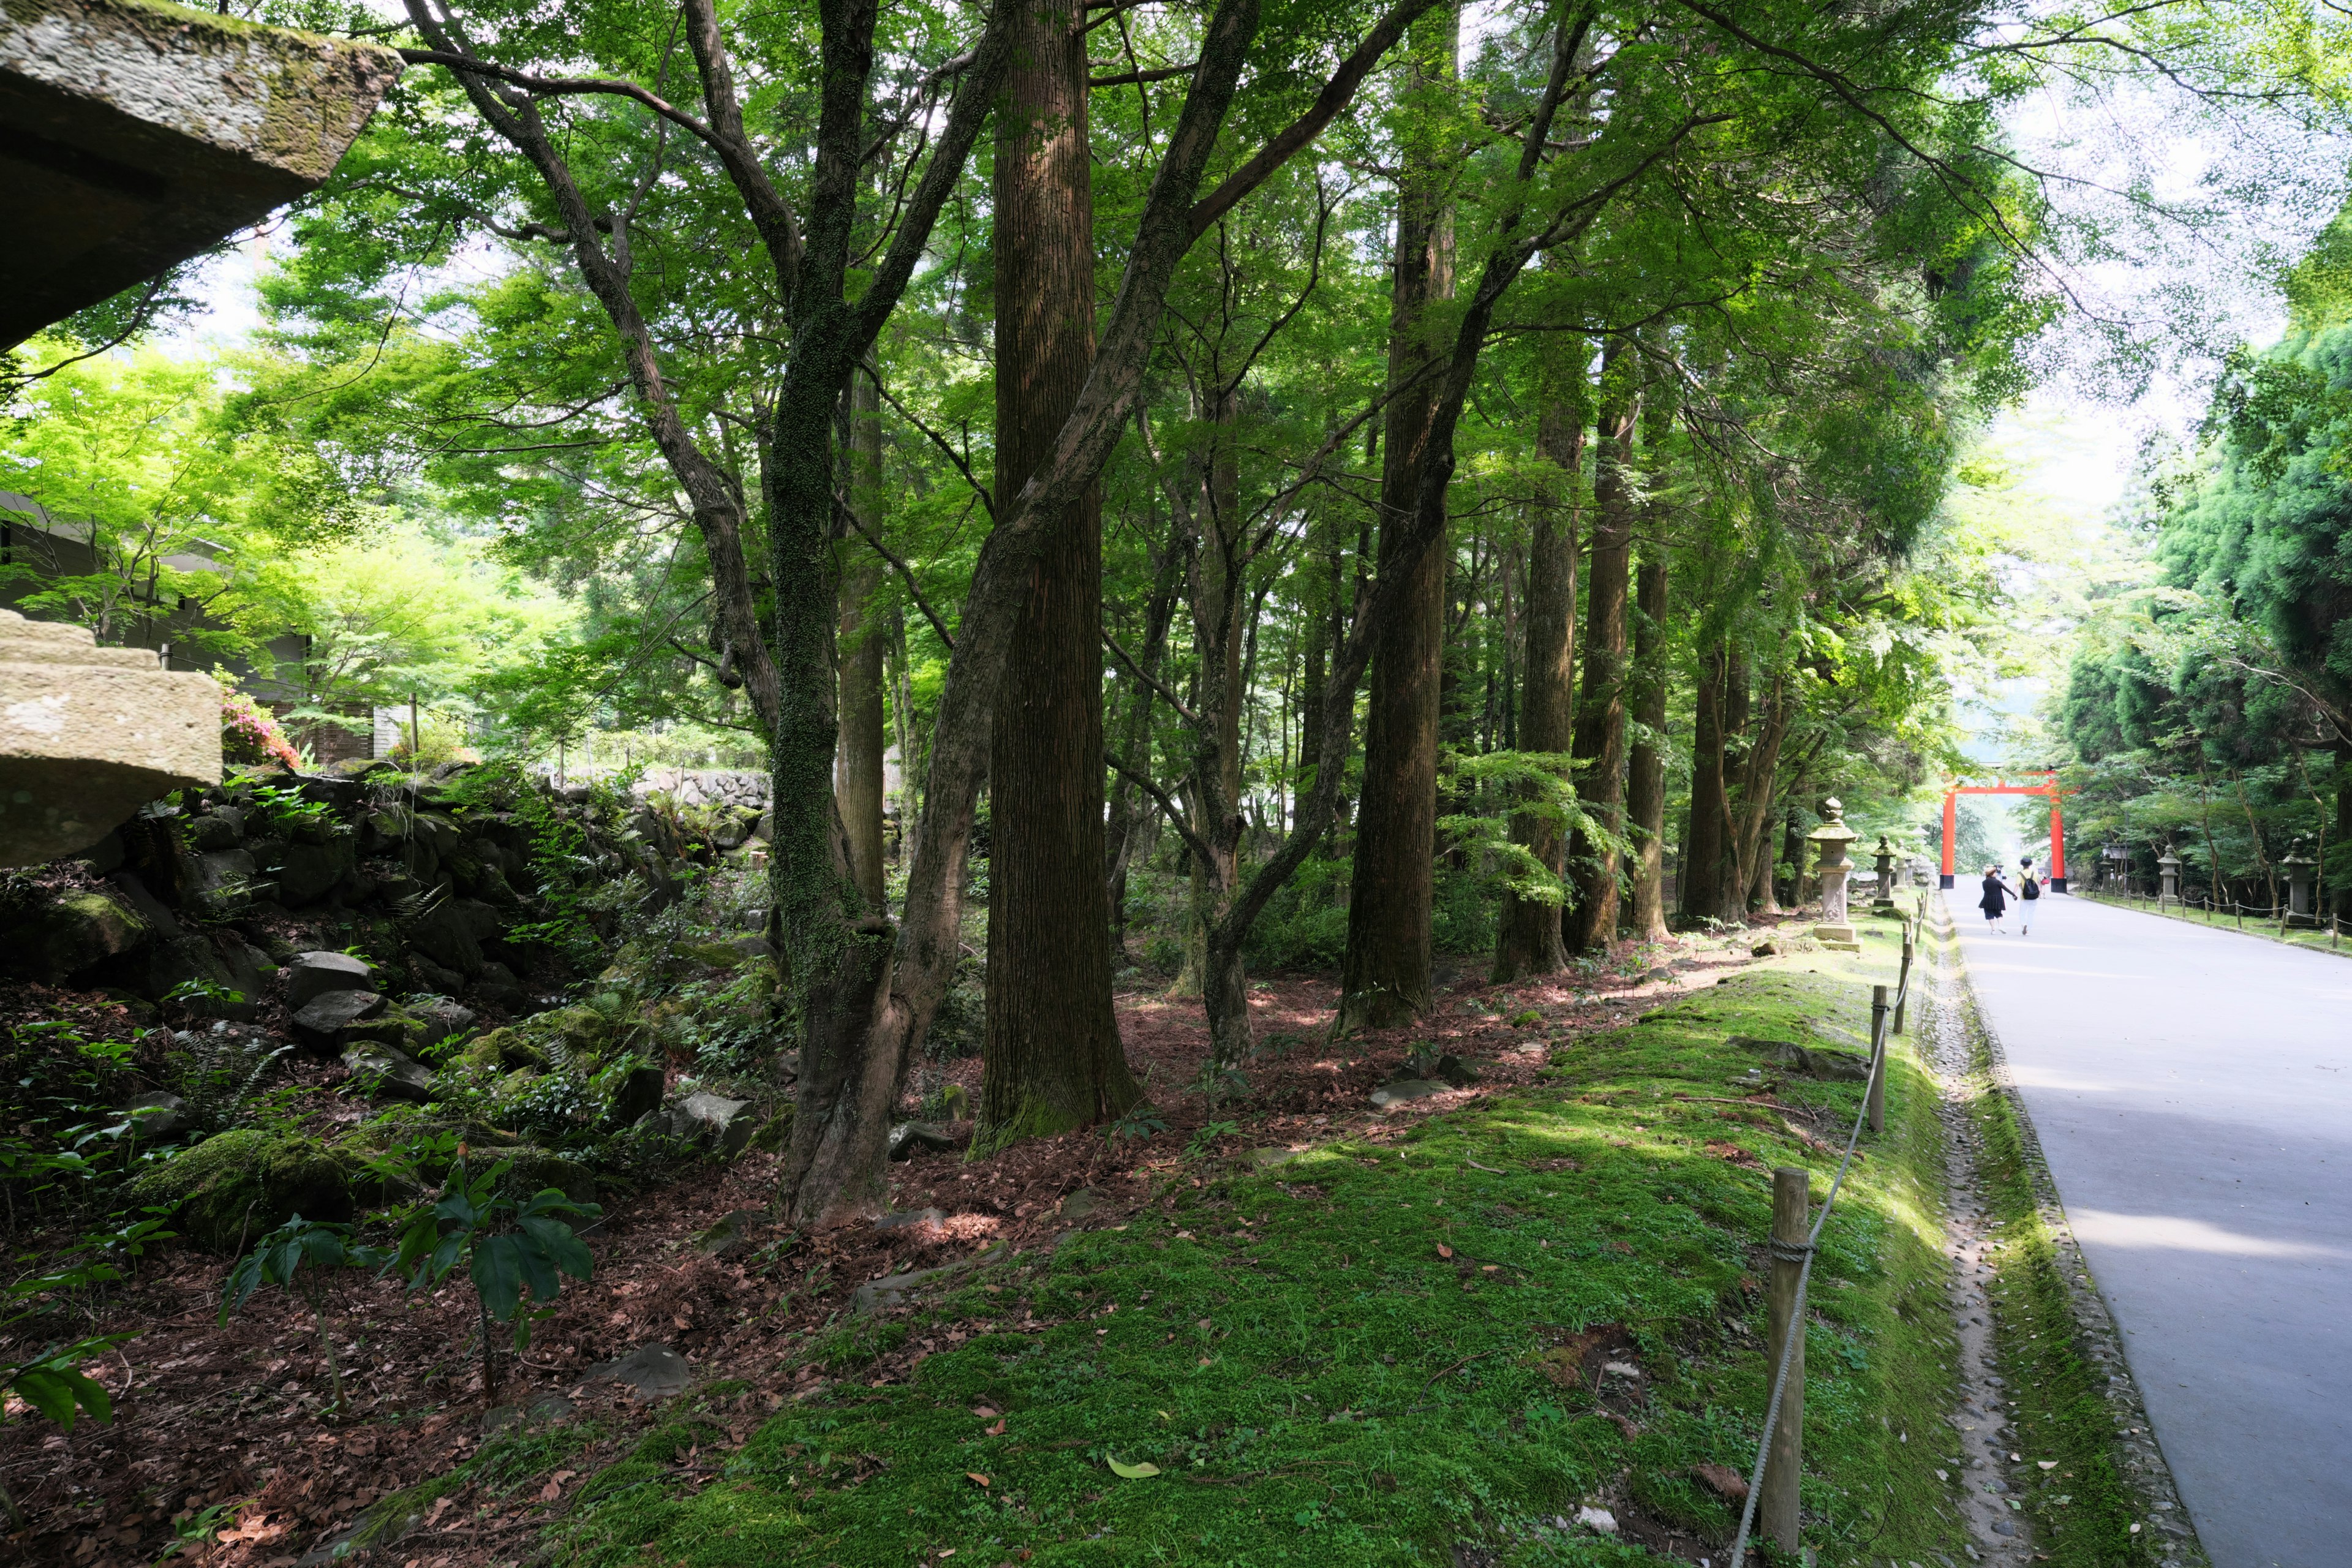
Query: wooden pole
pixel 1785 1464
pixel 1877 1058
pixel 1902 986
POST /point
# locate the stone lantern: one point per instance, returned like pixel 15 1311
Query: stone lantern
pixel 90 734
pixel 1884 856
pixel 2169 864
pixel 1831 865
pixel 2302 909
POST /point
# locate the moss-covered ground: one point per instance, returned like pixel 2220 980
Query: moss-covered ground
pixel 1393 1349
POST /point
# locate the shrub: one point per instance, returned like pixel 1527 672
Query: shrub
pixel 249 733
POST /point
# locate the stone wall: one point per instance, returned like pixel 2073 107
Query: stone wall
pixel 427 876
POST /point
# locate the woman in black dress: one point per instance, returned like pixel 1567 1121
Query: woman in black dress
pixel 1995 901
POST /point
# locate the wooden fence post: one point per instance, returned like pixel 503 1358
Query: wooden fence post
pixel 1784 1465
pixel 1902 986
pixel 1877 1060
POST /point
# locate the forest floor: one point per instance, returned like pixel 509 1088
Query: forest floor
pixel 1340 1334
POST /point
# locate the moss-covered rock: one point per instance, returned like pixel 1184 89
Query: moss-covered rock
pixel 536 1169
pixel 239 1185
pixel 508 1048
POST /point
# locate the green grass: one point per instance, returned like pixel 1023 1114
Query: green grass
pixel 1317 1383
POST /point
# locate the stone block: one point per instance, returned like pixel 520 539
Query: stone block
pixel 87 734
pixel 321 1023
pixel 312 974
pixel 393 1075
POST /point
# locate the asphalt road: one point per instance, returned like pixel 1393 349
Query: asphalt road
pixel 2192 1089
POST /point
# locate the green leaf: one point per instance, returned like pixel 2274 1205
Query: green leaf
pixel 54 1389
pixel 1131 1472
pixel 497 1275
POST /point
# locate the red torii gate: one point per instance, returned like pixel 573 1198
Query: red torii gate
pixel 2049 787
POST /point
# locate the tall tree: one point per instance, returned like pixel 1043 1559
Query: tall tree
pixel 1701 892
pixel 1051 1059
pixel 1385 978
pixel 865 625
pixel 1645 769
pixel 1600 739
pixel 1527 938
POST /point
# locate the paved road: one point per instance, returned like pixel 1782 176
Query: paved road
pixel 2193 1091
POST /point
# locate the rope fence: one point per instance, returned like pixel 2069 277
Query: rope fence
pixel 2282 916
pixel 1780 1454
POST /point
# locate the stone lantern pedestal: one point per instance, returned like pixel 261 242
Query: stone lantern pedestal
pixel 1884 903
pixel 2302 905
pixel 90 734
pixel 2168 866
pixel 1831 867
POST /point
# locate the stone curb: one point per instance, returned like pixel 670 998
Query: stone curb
pixel 2139 1458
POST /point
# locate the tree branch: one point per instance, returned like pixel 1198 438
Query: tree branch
pixel 1335 97
pixel 1168 808
pixel 906 573
pixel 1165 695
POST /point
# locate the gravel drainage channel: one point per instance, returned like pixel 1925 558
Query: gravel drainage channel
pixel 2010 1487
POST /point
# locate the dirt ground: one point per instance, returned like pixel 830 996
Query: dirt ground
pixel 227 1421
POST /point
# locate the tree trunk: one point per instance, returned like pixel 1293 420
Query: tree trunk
pixel 1600 742
pixel 1527 931
pixel 1051 1057
pixel 859 745
pixel 1646 784
pixel 1738 748
pixel 1129 813
pixel 1751 827
pixel 1220 595
pixel 1702 888
pixel 1385 978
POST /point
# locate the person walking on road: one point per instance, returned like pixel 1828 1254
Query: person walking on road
pixel 1995 899
pixel 2029 895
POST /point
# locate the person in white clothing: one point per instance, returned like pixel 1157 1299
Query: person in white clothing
pixel 2029 896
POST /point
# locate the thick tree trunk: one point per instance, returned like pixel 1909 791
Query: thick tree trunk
pixel 1645 780
pixel 1703 844
pixel 1385 978
pixel 860 742
pixel 1600 744
pixel 838 960
pixel 1051 1057
pixel 1527 931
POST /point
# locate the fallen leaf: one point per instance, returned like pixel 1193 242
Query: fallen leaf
pixel 997 1430
pixel 1131 1472
pixel 975 1476
pixel 1726 1484
pixel 985 1411
pixel 2047 1464
pixel 1443 1251
pixel 551 1492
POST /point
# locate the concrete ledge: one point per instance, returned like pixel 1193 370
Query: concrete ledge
pixel 134 133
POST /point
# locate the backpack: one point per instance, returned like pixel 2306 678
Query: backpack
pixel 2027 887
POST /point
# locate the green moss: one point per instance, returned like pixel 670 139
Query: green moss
pixel 1318 1384
pixel 237 1185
